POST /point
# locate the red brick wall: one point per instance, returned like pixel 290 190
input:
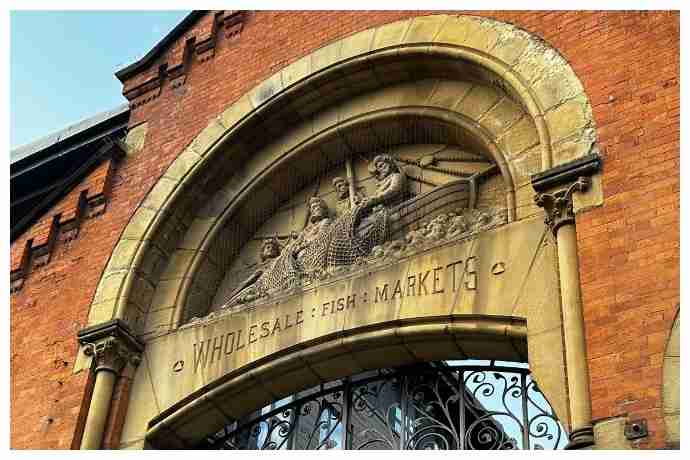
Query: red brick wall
pixel 629 248
pixel 49 309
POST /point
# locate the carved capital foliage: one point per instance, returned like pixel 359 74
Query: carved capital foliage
pixel 569 177
pixel 112 354
pixel 559 205
pixel 112 345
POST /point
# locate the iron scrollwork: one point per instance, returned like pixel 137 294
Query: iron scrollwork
pixel 435 406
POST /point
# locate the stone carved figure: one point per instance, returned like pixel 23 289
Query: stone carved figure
pixel 357 232
pixel 442 228
pixel 342 193
pixel 391 185
pixel 299 259
pixel 246 291
pixel 329 245
pixel 270 249
pixel 306 249
pixel 326 243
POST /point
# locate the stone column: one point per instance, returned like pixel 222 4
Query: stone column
pixel 561 219
pixel 112 347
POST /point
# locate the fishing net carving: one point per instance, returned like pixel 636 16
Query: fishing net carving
pixel 344 241
pixel 354 234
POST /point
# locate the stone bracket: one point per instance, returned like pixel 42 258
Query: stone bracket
pixel 112 344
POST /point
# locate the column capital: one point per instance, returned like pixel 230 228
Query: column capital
pixel 555 188
pixel 559 205
pixel 112 345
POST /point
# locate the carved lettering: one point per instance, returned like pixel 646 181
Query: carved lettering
pixel 229 341
pixel 411 283
pixel 452 267
pixel 351 301
pixel 396 290
pixel 265 331
pixel 252 337
pixel 437 280
pixel 208 351
pixel 422 281
pixel 217 347
pixel 201 353
pixel 276 326
pixel 381 294
pixel 240 345
pixel 461 274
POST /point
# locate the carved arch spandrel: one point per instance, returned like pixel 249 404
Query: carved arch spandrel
pixel 534 74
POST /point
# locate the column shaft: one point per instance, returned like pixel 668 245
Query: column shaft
pixel 98 409
pixel 575 344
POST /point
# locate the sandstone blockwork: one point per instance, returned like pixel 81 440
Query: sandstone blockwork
pixel 147 243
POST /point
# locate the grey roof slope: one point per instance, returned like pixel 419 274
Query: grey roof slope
pixel 43 143
pixel 45 170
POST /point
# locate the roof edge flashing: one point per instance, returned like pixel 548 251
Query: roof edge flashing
pixel 158 48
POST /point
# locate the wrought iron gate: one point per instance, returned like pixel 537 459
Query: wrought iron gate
pixel 441 405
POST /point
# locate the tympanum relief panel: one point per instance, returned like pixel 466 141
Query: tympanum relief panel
pixel 372 210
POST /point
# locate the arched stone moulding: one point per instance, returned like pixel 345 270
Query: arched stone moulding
pixel 535 76
pixel 328 358
pixel 536 73
pixel 526 295
pixel 245 192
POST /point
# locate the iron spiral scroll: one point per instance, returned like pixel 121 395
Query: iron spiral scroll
pixel 439 406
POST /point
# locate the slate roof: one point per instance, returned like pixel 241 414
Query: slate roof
pixel 44 170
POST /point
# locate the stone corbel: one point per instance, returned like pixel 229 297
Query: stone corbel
pixel 567 179
pixel 112 346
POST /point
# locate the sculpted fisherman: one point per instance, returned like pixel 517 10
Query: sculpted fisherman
pixel 309 246
pixel 343 203
pixel 246 291
pixel 391 182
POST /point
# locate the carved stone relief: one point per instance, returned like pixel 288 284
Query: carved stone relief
pixel 366 216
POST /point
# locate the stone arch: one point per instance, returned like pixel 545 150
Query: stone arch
pixel 414 68
pixel 535 76
pixel 388 345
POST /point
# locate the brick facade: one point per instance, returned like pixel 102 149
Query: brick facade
pixel 628 63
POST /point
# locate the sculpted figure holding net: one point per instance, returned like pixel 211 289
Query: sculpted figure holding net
pixel 327 243
pixel 300 258
pixel 355 233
